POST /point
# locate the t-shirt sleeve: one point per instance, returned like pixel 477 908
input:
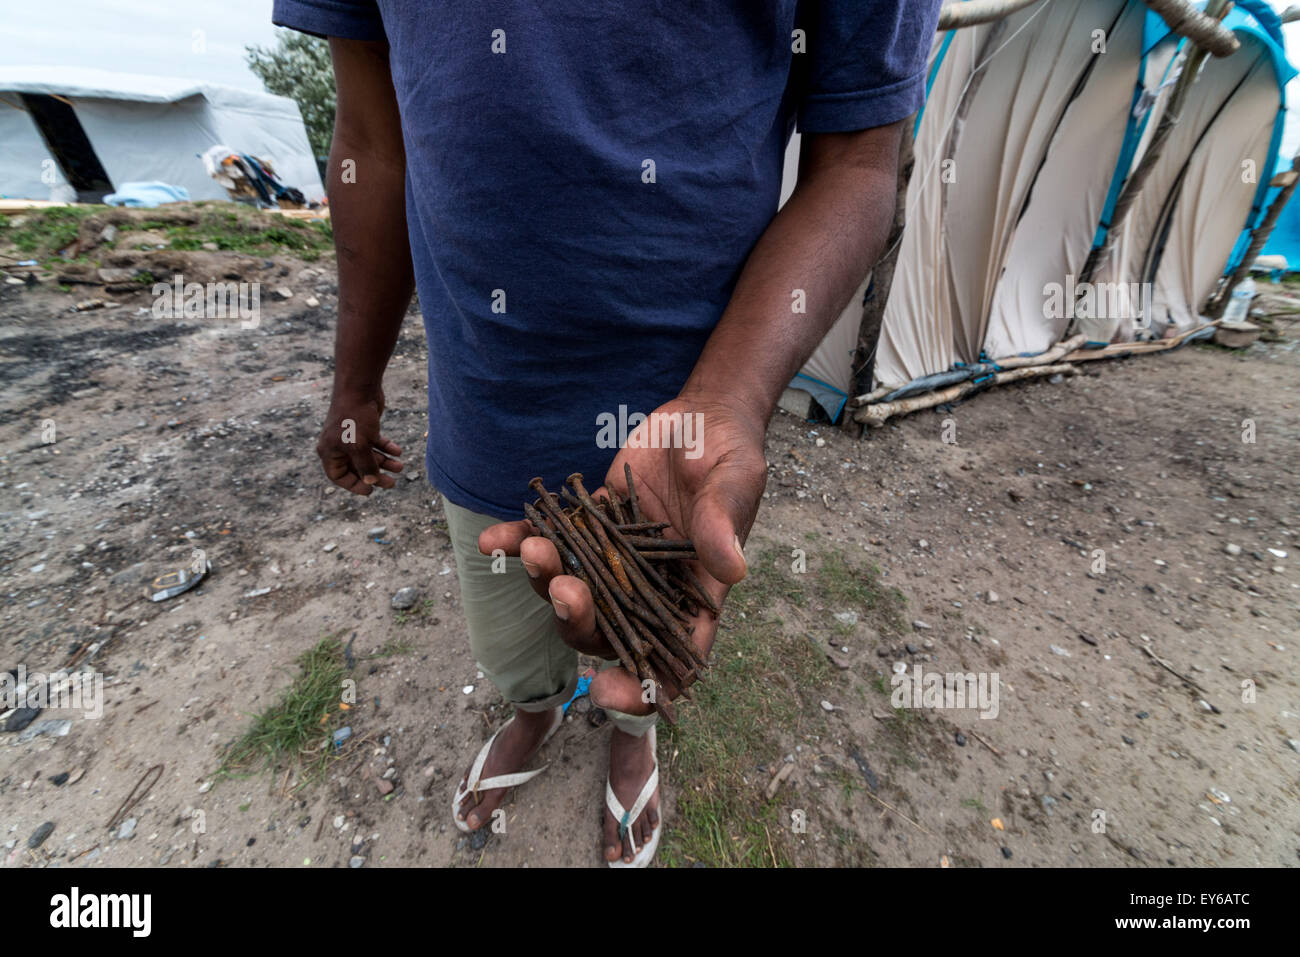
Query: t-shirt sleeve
pixel 348 19
pixel 867 62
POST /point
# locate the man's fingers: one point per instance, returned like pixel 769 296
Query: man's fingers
pixel 615 689
pixel 363 463
pixel 575 613
pixel 504 535
pixel 542 563
pixel 389 463
pixel 387 445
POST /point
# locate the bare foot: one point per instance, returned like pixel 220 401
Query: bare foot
pixel 515 744
pixel 631 760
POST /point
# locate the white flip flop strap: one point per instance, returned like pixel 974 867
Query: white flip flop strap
pixel 474 784
pixel 626 817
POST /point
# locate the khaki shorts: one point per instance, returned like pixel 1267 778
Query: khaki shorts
pixel 512 632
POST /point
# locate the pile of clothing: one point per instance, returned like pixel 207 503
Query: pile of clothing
pixel 251 180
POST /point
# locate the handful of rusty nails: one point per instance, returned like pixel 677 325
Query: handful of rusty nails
pixel 644 591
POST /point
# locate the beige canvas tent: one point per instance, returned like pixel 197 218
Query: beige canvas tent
pixel 1205 186
pixel 1033 124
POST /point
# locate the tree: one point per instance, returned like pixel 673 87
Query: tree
pixel 298 67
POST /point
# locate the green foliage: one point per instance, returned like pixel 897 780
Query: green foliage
pixel 44 232
pixel 299 67
pixel 298 727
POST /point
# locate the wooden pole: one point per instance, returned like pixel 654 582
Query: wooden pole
pixel 1218 301
pixel 1173 112
pixel 882 280
pixel 876 415
pixel 960 14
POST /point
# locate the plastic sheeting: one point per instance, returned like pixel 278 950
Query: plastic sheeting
pixel 27 170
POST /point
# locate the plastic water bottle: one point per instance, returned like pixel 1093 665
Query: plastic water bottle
pixel 1239 305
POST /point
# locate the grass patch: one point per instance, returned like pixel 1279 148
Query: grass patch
pixel 419 614
pixel 765 680
pixel 43 232
pixel 297 728
pixel 241 231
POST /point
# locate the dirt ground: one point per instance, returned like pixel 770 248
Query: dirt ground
pixel 1126 732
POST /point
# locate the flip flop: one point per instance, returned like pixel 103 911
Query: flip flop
pixel 474 783
pixel 643 856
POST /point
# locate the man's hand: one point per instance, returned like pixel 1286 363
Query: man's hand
pixel 374 261
pixel 351 448
pixel 707 489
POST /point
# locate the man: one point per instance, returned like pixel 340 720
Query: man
pixel 585 196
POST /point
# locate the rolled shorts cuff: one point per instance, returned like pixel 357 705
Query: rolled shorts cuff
pixel 550 702
pixel 634 724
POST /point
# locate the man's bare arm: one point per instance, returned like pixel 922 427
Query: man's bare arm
pixel 822 242
pixel 367 190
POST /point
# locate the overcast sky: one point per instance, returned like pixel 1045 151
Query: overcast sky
pixel 194 39
pixel 205 40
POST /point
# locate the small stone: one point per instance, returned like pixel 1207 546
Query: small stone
pixel 53 727
pixel 284 292
pixel 1058 650
pixel 127 829
pixel 21 718
pixel 379 531
pixel 960 739
pixel 205 787
pixel 1233 550
pixel 478 839
pixel 1127 740
pixel 928 645
pixel 312 302
pixel 40 834
pixel 385 787
pixel 849 618
pixel 356 861
pixel 827 706
pixel 1294 744
pixel 900 667
pixel 1006 852
pixel 339 821
pixel 911 649
pixel 919 625
pixel 59 780
pixel 404 598
pixel 992 598
pixel 1143 715
pixel 329 547
pixel 468 689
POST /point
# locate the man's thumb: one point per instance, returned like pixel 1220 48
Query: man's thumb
pixel 719 514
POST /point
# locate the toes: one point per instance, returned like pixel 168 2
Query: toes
pixel 612 843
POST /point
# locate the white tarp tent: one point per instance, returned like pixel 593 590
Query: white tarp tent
pixel 145 128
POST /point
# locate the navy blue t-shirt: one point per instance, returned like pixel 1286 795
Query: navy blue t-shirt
pixel 584 184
